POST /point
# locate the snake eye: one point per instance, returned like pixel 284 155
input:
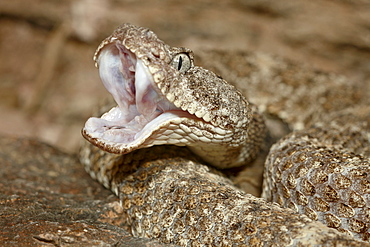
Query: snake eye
pixel 181 62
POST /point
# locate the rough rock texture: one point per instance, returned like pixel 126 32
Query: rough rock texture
pixel 47 199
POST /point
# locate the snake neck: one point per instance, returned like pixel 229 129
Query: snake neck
pixel 112 170
pixel 239 148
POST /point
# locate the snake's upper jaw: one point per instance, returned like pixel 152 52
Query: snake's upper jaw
pixel 141 110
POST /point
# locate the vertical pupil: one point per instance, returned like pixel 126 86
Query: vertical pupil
pixel 180 63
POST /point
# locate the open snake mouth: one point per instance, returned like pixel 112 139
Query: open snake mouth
pixel 141 106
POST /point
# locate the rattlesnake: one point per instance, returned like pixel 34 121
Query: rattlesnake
pixel 170 193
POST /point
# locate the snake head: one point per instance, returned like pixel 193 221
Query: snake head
pixel 162 97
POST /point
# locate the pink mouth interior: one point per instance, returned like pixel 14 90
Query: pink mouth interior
pixel 140 104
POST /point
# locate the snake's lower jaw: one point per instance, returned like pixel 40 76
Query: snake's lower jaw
pixel 166 128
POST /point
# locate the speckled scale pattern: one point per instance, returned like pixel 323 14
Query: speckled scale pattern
pixel 295 93
pixel 326 182
pixel 335 115
pixel 178 200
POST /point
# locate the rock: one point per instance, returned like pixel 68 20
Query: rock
pixel 48 199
